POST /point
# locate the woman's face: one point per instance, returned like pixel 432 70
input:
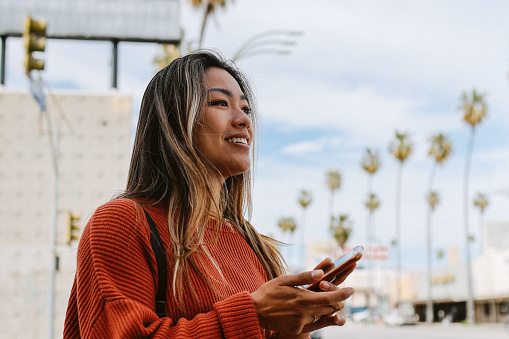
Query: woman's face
pixel 225 133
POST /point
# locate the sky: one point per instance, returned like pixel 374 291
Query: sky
pixel 359 72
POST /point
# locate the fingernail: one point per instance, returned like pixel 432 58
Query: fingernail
pixel 351 291
pixel 339 320
pixel 316 274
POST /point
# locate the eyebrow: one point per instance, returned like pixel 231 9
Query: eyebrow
pixel 226 92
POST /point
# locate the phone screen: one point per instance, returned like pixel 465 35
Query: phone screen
pixel 340 265
pixel 345 257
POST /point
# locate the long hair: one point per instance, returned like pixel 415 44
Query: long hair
pixel 167 168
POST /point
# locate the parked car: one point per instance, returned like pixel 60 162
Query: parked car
pixel 403 315
pixel 366 316
pixel 316 334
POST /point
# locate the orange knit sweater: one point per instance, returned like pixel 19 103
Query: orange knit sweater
pixel 113 295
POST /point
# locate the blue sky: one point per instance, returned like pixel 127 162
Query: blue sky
pixel 360 71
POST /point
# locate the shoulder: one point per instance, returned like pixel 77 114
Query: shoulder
pixel 117 218
pixel 118 208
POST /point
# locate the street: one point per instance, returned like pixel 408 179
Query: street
pixel 422 331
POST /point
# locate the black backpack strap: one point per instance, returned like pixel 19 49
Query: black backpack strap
pixel 157 247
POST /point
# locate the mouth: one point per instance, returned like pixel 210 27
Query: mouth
pixel 237 140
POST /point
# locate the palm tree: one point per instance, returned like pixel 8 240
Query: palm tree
pixel 305 199
pixel 370 163
pixel 440 150
pixel 171 52
pixel 481 201
pixel 333 182
pixel 440 254
pixel 371 204
pixel 287 224
pixel 433 199
pixel 474 109
pixel 209 8
pixel 401 148
pixel 341 229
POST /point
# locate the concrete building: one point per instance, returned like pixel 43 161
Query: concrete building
pixel 94 152
pixel 490 273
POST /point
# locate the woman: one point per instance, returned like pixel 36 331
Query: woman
pixel 190 172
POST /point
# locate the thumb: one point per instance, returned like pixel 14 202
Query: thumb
pixel 303 278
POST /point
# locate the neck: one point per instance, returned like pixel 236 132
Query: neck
pixel 216 186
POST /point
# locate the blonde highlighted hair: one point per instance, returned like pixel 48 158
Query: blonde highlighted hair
pixel 167 169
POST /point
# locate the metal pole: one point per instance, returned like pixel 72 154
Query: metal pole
pixel 2 62
pixel 54 146
pixel 114 70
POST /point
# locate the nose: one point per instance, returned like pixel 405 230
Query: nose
pixel 241 118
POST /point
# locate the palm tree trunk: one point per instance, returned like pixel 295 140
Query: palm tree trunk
pixel 481 237
pixel 303 237
pixel 470 299
pixel 398 233
pixel 369 263
pixel 369 243
pixel 331 202
pixel 208 9
pixel 429 303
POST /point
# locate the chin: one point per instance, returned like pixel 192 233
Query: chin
pixel 231 172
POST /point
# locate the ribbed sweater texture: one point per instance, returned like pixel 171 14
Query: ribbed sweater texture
pixel 113 295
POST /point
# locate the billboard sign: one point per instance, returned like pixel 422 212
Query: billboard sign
pixel 122 20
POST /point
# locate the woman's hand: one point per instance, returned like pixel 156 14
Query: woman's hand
pixel 282 306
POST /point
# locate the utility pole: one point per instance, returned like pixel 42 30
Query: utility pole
pixel 54 137
pixel 34 36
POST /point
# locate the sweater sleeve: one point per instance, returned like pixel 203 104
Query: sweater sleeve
pixel 116 284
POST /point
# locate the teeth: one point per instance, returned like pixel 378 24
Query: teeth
pixel 237 140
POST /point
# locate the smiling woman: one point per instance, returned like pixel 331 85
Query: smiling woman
pixel 174 256
pixel 224 134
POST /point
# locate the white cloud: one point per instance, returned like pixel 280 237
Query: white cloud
pixel 305 147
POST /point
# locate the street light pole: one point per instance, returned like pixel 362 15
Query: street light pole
pixel 54 139
pixel 269 42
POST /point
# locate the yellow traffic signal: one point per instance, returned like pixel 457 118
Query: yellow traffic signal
pixel 73 227
pixel 34 35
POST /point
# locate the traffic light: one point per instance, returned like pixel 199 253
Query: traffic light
pixel 73 227
pixel 34 35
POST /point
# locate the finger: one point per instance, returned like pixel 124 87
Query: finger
pixel 300 279
pixel 331 298
pixel 337 307
pixel 324 321
pixel 315 318
pixel 325 265
pixel 343 275
pixel 326 286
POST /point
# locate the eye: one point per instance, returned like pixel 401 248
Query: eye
pixel 247 110
pixel 218 103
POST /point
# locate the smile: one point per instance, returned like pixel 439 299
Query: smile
pixel 237 140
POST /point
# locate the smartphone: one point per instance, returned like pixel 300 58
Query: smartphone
pixel 340 265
